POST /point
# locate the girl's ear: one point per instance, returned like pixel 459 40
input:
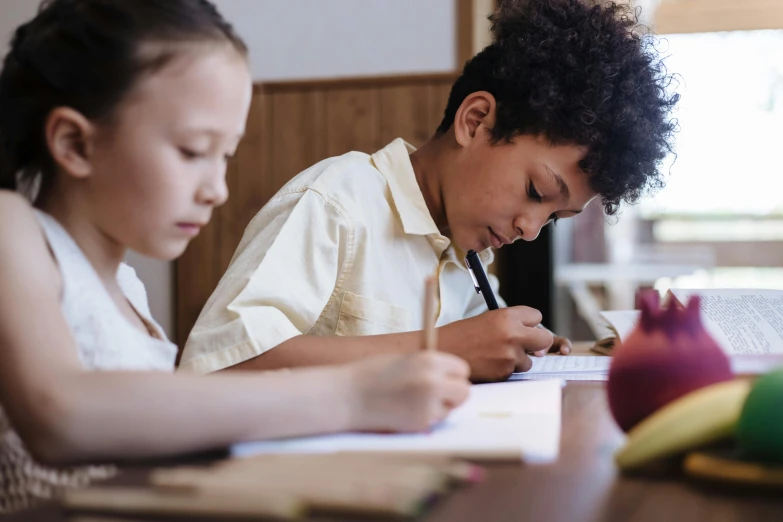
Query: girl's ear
pixel 70 138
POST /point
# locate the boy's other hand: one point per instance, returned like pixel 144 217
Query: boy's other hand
pixel 496 343
pixel 561 345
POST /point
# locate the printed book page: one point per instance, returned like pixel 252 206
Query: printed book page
pixel 622 322
pixel 742 321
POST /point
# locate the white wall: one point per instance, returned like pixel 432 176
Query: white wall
pixel 291 39
pixel 12 14
pixel 158 277
pixel 295 39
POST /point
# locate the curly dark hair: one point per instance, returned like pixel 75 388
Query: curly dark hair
pixel 578 73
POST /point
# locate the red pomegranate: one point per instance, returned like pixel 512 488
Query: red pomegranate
pixel 667 355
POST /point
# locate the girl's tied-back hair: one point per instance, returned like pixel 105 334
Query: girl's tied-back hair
pixel 87 55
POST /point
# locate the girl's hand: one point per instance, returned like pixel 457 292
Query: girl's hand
pixel 406 392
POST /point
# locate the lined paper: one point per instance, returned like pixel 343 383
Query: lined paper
pixel 571 367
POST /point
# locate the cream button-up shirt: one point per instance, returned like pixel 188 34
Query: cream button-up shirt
pixel 343 249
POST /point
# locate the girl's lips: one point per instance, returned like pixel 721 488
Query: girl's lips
pixel 190 228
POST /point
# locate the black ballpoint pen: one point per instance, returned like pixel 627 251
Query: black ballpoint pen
pixel 480 280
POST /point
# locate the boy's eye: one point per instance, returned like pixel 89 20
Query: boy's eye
pixel 533 194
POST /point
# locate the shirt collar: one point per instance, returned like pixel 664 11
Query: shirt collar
pixel 394 162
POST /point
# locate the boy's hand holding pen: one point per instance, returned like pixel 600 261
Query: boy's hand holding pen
pixel 497 343
pixel 481 283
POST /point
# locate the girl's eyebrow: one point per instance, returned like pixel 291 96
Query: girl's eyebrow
pixel 213 132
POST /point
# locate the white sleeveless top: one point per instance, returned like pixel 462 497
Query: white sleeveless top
pixel 105 339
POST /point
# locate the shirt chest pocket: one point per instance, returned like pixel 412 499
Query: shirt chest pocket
pixel 364 316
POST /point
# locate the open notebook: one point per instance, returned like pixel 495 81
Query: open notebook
pixel 570 368
pixel 502 421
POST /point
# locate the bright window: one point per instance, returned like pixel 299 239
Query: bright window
pixel 730 145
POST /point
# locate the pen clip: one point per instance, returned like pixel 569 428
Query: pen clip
pixel 473 276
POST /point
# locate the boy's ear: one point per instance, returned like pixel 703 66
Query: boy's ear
pixel 70 136
pixel 476 112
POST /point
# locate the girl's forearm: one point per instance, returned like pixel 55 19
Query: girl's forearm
pixel 110 415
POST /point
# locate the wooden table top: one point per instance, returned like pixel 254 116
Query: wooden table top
pixel 583 485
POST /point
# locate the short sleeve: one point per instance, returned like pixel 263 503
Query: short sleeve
pixel 273 290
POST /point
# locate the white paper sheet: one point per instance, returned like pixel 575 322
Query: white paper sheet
pixel 517 420
pixel 755 364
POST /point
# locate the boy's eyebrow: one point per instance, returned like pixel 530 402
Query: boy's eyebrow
pixel 560 182
pixel 563 187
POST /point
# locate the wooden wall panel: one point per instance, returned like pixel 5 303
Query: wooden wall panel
pixel 298 137
pixel 438 96
pixel 352 120
pixel 196 271
pixel 404 112
pixel 291 126
pixel 465 28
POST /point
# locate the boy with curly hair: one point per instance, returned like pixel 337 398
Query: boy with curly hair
pixel 569 103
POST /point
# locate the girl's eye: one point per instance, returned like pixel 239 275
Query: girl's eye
pixel 189 154
pixel 553 219
pixel 533 194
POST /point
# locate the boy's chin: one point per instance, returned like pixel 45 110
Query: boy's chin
pixel 466 242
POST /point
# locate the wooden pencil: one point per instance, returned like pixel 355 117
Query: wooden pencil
pixel 430 314
pixel 458 471
pixel 148 501
pixel 355 487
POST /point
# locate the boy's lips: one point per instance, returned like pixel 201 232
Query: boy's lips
pixel 496 240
